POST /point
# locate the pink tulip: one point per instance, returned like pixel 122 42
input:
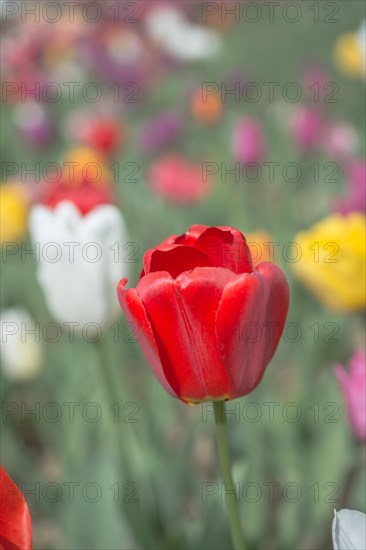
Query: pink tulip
pixel 353 385
pixel 355 197
pixel 340 141
pixel 307 128
pixel 249 144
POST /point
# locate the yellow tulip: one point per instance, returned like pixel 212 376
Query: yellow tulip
pixel 349 55
pixel 332 262
pixel 14 206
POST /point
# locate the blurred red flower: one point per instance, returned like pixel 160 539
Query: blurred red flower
pixel 15 520
pixel 178 181
pixel 86 196
pixel 84 181
pixel 102 133
pixel 209 322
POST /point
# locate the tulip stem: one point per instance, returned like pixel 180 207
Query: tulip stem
pixel 225 462
pixel 112 388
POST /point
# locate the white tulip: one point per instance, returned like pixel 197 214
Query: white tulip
pixel 349 530
pixel 21 351
pixel 169 27
pixel 80 287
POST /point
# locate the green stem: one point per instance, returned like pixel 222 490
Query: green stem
pixel 225 461
pixel 112 386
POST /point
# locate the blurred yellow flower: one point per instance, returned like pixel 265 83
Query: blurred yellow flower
pixel 262 246
pixel 349 55
pixel 14 206
pixel 332 262
pixel 85 163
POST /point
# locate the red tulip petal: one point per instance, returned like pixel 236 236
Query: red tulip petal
pixel 15 520
pixel 226 247
pixel 171 240
pixel 174 259
pixel 191 235
pixel 182 313
pixel 250 321
pixel 188 239
pixel 135 313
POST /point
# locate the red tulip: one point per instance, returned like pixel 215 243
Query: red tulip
pixel 104 134
pixel 209 322
pixel 15 520
pixel 86 196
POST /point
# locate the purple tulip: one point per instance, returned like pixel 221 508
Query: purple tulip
pixel 34 124
pixel 160 131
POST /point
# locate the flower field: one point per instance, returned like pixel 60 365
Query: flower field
pixel 183 275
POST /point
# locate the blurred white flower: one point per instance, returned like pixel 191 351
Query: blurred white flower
pixel 21 351
pixel 349 530
pixel 78 266
pixel 169 27
pixel 361 37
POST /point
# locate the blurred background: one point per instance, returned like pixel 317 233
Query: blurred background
pixel 248 114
